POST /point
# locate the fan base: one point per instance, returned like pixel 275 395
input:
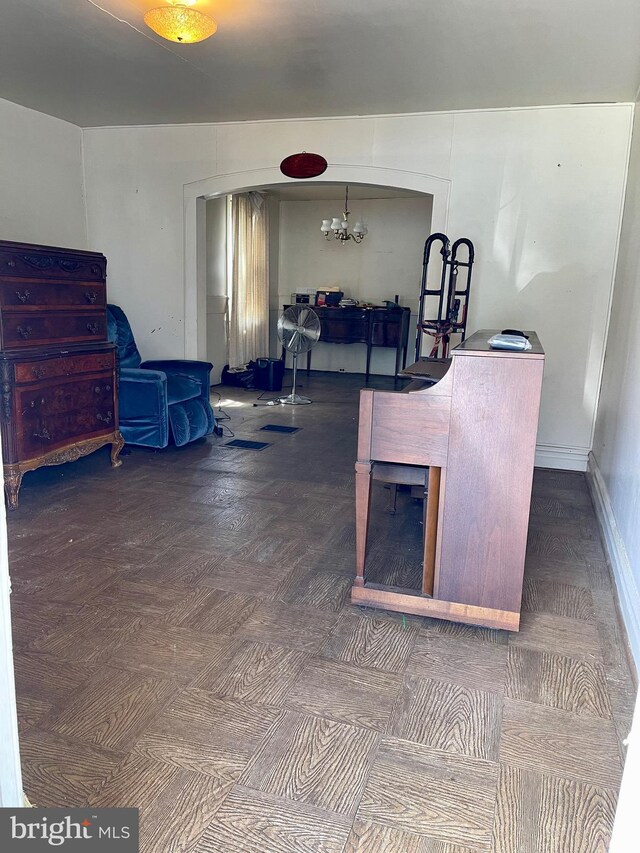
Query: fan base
pixel 295 400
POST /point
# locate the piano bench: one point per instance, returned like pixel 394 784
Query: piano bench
pixel 416 476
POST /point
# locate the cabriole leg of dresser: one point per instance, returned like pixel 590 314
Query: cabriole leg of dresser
pixel 12 483
pixel 116 447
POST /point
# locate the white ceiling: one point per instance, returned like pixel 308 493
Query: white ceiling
pixel 285 58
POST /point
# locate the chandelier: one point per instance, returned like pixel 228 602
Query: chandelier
pixel 339 228
pixel 178 22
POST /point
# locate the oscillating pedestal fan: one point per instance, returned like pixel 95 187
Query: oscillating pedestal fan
pixel 298 330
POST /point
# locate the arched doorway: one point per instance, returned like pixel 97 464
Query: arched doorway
pixel 196 194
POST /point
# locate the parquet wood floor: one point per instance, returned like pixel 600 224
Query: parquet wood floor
pixel 184 643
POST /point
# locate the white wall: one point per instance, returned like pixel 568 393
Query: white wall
pixel 10 774
pixel 134 179
pixel 616 448
pixel 41 182
pixel 624 838
pixel 217 285
pixel 41 201
pixel 386 263
pixel 539 191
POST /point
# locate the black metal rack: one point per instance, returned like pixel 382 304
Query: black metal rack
pixel 453 302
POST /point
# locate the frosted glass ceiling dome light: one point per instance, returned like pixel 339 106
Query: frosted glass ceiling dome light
pixel 178 22
pixel 339 228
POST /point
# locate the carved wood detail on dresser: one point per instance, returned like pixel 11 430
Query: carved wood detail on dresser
pixel 58 373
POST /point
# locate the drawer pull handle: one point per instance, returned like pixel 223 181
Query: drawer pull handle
pixel 92 328
pixel 39 402
pixel 44 434
pixel 23 297
pixel 25 331
pixel 99 389
pixel 91 296
pixel 38 372
pixel 106 418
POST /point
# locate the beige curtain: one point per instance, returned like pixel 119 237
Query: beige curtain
pixel 249 315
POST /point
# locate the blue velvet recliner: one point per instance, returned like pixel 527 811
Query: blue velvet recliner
pixel 159 400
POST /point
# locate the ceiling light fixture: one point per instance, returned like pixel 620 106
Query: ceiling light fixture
pixel 339 228
pixel 177 22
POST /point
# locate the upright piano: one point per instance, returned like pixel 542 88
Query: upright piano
pixel 470 423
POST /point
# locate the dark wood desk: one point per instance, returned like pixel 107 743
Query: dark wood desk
pixel 471 421
pixel 375 327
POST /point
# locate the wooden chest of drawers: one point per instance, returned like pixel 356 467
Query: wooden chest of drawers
pixel 58 376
